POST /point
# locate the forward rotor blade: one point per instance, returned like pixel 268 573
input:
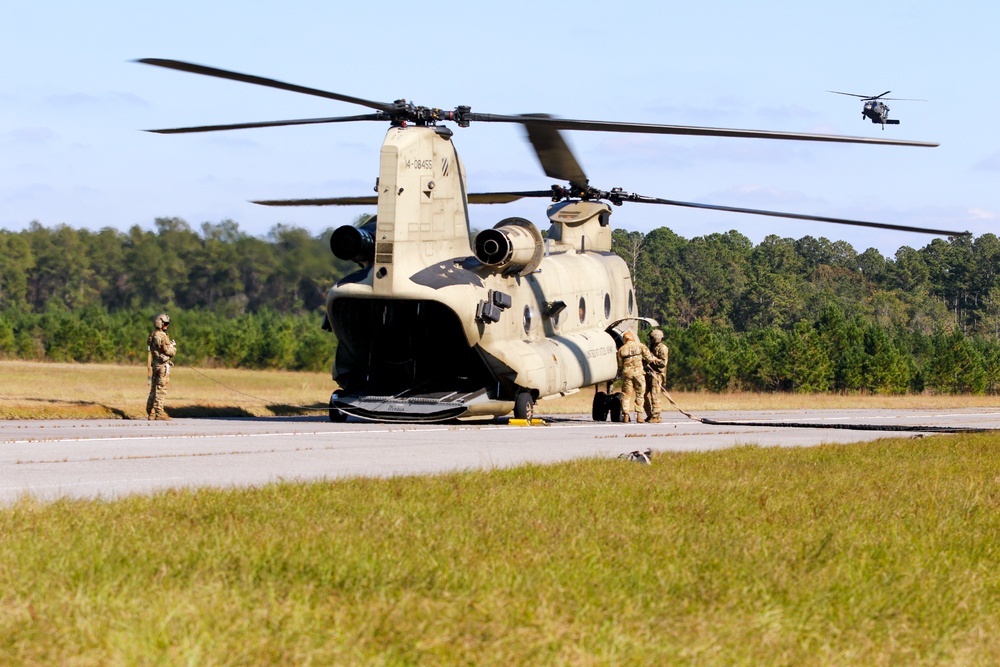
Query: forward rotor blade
pixel 647 128
pixel 554 153
pixel 370 200
pixel 271 123
pixel 885 93
pixel 798 216
pixel 864 97
pixel 261 81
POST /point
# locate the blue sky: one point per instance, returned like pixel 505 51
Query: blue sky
pixel 72 105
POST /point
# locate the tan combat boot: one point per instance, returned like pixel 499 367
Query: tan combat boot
pixel 654 420
pixel 626 419
pixel 639 419
pixel 163 417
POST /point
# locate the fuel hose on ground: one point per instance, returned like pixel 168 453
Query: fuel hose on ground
pixel 848 427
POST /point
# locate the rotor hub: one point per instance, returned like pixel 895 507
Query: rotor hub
pixel 403 112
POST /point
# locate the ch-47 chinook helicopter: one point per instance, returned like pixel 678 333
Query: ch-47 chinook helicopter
pixel 875 109
pixel 432 327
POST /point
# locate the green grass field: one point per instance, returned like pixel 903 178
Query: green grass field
pixel 885 553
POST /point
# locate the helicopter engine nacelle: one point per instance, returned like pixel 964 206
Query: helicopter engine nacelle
pixel 353 244
pixel 514 245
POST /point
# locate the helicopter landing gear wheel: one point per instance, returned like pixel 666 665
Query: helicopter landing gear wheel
pixel 524 406
pixel 336 415
pixel 602 404
pixel 615 408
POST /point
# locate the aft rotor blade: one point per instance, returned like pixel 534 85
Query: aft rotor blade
pixel 506 197
pixel 372 200
pixel 261 81
pixel 270 123
pixel 798 216
pixel 885 93
pixel 554 153
pixel 648 128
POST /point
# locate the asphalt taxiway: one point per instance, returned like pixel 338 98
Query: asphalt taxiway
pixel 50 459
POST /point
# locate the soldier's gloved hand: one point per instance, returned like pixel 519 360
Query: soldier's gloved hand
pixel 149 380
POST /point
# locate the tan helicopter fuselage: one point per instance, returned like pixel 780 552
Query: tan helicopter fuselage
pixel 430 329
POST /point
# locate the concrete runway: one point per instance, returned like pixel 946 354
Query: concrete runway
pixel 111 458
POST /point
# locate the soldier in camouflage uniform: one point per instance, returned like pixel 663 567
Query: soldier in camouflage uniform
pixel 656 376
pixel 160 359
pixel 631 356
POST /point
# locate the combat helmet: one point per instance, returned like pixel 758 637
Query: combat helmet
pixel 161 320
pixel 628 337
pixel 656 335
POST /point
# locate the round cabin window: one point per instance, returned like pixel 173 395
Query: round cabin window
pixel 607 305
pixel 527 319
pixel 583 309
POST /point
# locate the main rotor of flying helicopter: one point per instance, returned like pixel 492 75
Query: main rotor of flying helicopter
pixel 555 156
pixel 874 98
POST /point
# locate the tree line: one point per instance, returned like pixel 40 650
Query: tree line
pixel 265 339
pixel 783 315
pixel 726 280
pixel 235 299
pixel 217 268
pixel 815 315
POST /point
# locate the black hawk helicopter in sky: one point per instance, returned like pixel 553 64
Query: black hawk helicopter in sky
pixel 875 109
pixel 432 326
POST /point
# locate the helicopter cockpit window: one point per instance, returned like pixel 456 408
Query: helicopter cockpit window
pixel 607 305
pixel 583 309
pixel 527 319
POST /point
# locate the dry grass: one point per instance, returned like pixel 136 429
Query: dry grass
pixel 33 390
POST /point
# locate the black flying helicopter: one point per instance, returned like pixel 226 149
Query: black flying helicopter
pixel 433 327
pixel 875 109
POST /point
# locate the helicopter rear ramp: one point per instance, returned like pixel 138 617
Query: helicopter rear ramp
pixel 422 408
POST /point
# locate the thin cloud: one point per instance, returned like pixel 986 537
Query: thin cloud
pixel 28 136
pixel 28 193
pixel 982 214
pixel 758 196
pixel 992 163
pixel 72 101
pixel 666 154
pixel 723 108
pixel 232 141
pixel 127 98
pixel 787 112
pixel 84 100
pixel 958 218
